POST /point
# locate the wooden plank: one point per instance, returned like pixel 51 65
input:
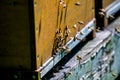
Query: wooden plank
pixel 15 42
pixel 75 14
pixel 45 28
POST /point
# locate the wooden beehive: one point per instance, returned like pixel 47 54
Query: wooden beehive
pixel 31 31
pixel 56 21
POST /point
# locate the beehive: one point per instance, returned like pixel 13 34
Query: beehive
pixel 31 31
